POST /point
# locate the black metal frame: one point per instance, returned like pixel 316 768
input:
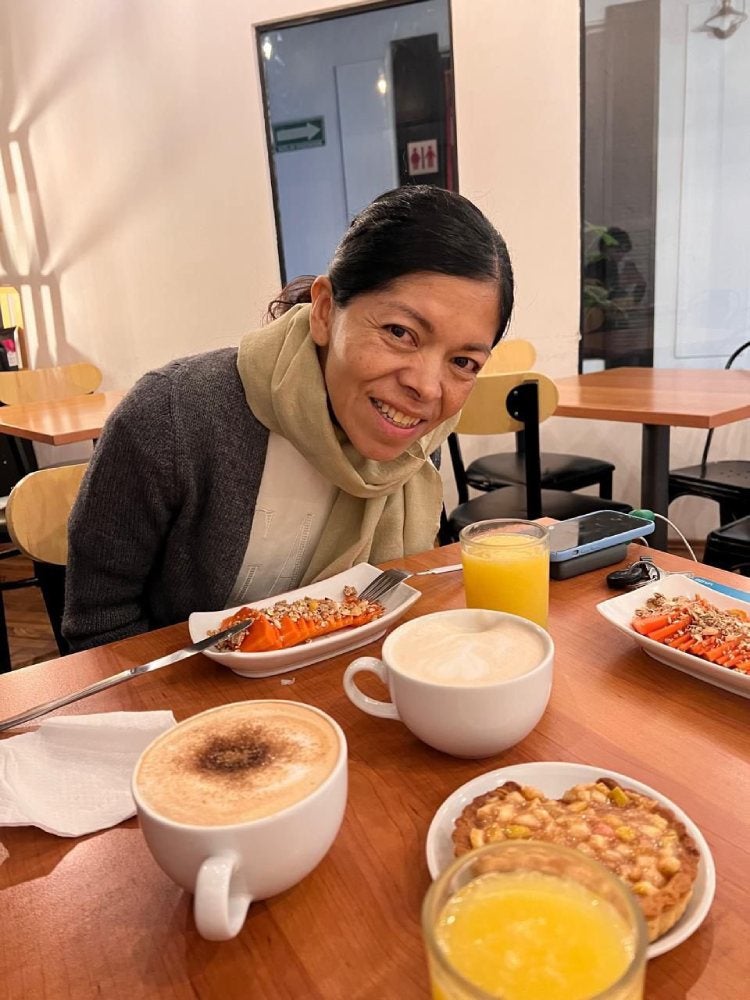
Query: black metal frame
pixel 522 403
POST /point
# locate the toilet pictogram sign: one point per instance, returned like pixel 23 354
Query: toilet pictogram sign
pixel 422 157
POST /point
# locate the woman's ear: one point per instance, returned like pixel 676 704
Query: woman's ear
pixel 321 313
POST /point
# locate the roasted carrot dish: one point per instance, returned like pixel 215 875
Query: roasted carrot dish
pixel 692 625
pixel 286 624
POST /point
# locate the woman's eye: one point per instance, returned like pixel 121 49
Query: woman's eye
pixel 398 331
pixel 468 365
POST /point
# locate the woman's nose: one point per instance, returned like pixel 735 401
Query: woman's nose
pixel 423 377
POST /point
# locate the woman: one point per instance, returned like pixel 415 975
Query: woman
pixel 239 474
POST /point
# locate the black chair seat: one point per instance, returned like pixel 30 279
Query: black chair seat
pixel 727 483
pixel 559 472
pixel 510 501
pixel 729 547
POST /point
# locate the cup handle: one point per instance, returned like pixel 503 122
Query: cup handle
pixel 373 706
pixel 219 912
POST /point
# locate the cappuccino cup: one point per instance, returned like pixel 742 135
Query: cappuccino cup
pixel 240 803
pixel 469 682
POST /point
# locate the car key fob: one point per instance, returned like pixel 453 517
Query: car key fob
pixel 635 575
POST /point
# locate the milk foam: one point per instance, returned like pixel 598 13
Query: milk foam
pixel 448 652
pixel 237 763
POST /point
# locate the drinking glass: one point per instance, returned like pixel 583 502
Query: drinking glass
pixel 506 567
pixel 533 921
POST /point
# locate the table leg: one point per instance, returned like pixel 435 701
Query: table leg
pixel 655 477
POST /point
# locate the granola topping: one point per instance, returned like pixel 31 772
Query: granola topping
pixel 696 626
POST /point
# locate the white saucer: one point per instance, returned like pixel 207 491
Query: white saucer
pixel 553 778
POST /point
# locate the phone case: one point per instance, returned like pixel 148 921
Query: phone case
pixel 628 534
pixel 590 560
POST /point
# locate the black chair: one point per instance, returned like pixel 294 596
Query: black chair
pixel 725 482
pixel 728 547
pixel 499 403
pixel 558 471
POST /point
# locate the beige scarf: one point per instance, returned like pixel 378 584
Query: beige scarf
pixel 382 510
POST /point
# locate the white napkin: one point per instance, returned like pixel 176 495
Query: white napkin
pixel 72 776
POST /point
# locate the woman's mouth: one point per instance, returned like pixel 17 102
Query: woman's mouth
pixel 401 420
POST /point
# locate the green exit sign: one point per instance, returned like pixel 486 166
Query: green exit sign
pixel 303 134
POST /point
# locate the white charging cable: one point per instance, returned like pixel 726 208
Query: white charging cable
pixel 650 515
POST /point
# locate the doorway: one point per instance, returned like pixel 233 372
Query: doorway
pixel 357 103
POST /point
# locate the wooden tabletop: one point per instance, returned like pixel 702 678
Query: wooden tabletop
pixel 60 421
pixel 681 397
pixel 95 917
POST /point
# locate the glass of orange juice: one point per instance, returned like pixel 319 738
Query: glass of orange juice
pixel 506 567
pixel 533 921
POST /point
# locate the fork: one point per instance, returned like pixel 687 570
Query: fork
pixel 389 579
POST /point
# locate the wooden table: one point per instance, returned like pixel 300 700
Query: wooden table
pixel 95 917
pixel 60 421
pixel 658 399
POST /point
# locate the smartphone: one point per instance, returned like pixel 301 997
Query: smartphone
pixel 600 530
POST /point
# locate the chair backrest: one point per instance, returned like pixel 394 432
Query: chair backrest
pixel 709 437
pixel 38 509
pixel 510 356
pixel 502 403
pixel 33 384
pixel 10 306
pixel 486 412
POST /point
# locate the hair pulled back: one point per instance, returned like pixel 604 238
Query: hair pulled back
pixel 405 231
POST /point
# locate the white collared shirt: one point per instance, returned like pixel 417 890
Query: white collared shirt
pixel 293 505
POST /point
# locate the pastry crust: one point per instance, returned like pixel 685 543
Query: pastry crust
pixel 633 835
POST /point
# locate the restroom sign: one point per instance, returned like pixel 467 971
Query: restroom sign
pixel 422 157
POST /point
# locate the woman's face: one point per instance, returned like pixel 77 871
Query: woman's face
pixel 399 361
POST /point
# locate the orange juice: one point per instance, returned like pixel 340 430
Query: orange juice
pixel 508 572
pixel 529 935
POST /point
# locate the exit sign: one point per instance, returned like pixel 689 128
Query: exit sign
pixel 307 133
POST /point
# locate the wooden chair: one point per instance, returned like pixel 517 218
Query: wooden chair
pixel 558 471
pixel 510 402
pixel 37 516
pixel 32 385
pixel 726 482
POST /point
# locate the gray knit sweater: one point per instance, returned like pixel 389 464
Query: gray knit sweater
pixel 162 520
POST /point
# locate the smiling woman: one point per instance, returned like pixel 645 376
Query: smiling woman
pixel 242 473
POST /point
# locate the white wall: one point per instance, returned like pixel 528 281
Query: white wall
pixel 136 210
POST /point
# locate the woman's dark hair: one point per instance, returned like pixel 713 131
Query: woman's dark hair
pixel 411 229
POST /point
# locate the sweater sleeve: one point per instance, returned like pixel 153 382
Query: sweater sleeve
pixel 121 518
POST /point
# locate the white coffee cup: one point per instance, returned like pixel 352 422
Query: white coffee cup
pixel 463 715
pixel 228 865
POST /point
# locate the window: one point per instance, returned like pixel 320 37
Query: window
pixel 666 203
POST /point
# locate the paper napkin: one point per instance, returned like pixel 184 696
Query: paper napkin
pixel 72 776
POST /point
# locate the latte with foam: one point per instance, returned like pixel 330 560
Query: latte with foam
pixel 465 652
pixel 237 763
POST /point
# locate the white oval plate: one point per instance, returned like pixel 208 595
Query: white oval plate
pixel 280 661
pixel 619 611
pixel 553 778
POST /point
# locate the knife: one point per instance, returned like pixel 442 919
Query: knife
pixel 124 675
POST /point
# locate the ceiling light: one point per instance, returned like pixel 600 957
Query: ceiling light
pixel 725 21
